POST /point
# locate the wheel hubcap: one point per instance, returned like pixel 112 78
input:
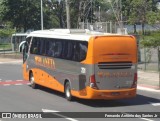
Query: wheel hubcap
pixel 32 80
pixel 67 92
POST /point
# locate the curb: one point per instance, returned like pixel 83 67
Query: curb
pixel 11 61
pixel 148 88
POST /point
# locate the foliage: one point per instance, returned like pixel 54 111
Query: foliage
pixel 6 32
pixel 5 46
pixel 140 12
pixel 104 7
pixel 152 40
pixel 56 11
pixel 25 14
pixel 153 17
pixel 87 11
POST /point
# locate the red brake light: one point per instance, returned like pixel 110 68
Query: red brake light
pixel 134 85
pixel 135 77
pixel 92 79
pixel 93 82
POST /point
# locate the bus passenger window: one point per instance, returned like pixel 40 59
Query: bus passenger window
pixel 76 52
pixel 34 49
pixel 51 48
pixel 42 46
pixel 63 54
pixel 83 51
pixel 70 50
pixel 38 46
pixel 58 49
pixel 47 47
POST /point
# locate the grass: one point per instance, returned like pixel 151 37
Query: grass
pixel 6 46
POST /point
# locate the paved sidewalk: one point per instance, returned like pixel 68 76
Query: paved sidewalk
pixel 7 60
pixel 148 79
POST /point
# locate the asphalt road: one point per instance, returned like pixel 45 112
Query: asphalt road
pixel 16 97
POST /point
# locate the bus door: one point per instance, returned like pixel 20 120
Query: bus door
pixel 115 62
pixel 24 48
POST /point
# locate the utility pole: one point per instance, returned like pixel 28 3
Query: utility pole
pixel 68 14
pixel 99 13
pixel 121 15
pixel 91 11
pixel 41 15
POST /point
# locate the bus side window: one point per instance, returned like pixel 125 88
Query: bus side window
pixel 42 46
pixel 69 50
pixel 39 43
pixel 58 49
pixel 76 52
pixel 63 50
pixel 34 46
pixel 51 50
pixel 47 47
pixel 83 51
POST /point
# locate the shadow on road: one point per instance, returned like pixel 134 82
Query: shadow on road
pixel 138 100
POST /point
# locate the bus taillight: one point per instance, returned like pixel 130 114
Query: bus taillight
pixel 93 82
pixel 134 85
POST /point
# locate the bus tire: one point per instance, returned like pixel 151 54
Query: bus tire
pixel 67 92
pixel 32 81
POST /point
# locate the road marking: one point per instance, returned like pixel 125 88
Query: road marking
pixel 146 119
pixel 6 85
pixel 19 80
pixel 155 104
pixel 147 89
pixel 12 82
pixel 46 110
pixel 18 84
pixel 56 113
pixel 8 80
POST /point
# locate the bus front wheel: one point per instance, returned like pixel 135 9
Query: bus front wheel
pixel 68 91
pixel 32 81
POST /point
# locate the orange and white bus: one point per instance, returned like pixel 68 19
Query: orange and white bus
pixel 81 63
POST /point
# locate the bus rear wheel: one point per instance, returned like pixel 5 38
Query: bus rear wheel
pixel 68 95
pixel 32 81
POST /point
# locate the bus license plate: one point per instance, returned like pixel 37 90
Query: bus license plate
pixel 115 93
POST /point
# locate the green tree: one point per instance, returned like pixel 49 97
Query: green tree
pixel 57 12
pixel 22 16
pixel 88 11
pixel 140 12
pixel 26 14
pixel 152 40
pixel 104 7
pixel 80 11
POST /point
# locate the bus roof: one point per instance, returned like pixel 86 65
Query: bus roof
pixel 74 34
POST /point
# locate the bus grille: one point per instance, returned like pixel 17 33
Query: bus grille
pixel 114 65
